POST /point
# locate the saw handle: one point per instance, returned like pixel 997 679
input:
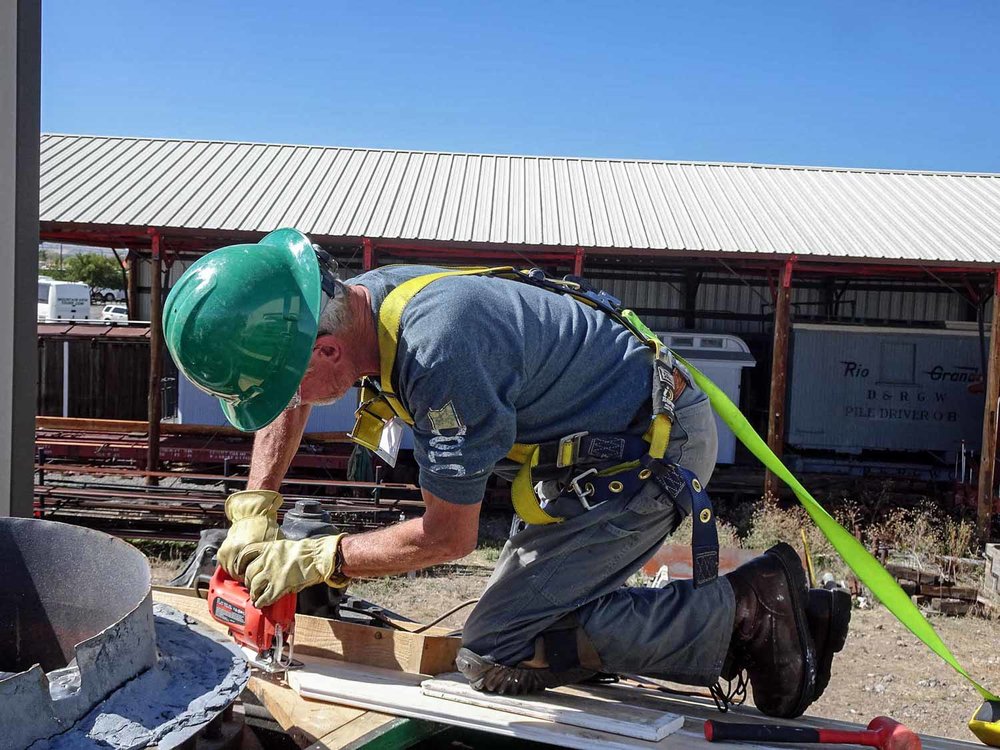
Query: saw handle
pixel 719 731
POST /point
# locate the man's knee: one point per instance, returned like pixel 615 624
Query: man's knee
pixel 562 655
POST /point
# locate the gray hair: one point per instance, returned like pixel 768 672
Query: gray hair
pixel 336 314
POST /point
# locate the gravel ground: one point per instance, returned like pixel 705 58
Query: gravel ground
pixel 884 669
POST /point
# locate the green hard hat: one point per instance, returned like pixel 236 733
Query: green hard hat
pixel 241 324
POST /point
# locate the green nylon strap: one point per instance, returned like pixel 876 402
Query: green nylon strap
pixel 866 567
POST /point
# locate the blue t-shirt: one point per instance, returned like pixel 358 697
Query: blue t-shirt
pixel 484 363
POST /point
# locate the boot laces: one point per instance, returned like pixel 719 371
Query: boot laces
pixel 733 694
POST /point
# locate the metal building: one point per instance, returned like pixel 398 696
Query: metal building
pixel 725 248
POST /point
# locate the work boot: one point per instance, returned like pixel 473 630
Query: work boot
pixel 771 638
pixel 829 615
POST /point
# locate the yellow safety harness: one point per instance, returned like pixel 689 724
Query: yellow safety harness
pixel 379 403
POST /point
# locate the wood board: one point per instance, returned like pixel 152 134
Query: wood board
pixel 427 653
pixel 563 707
pixel 399 694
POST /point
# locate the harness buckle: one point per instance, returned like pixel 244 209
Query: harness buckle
pixel 569 449
pixel 582 493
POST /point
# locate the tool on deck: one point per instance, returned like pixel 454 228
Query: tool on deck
pixel 264 632
pixel 883 733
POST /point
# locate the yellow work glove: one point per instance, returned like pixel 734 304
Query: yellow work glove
pixel 254 515
pixel 274 569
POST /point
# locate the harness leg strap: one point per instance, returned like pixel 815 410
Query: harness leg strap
pixel 690 496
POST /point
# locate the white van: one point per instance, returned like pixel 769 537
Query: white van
pixel 62 300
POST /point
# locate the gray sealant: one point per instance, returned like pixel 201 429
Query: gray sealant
pixel 198 673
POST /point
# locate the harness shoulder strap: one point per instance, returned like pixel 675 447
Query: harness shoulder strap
pixel 390 315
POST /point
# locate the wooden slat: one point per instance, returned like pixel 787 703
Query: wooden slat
pixel 902 571
pixel 308 722
pixel 371 731
pixel 427 653
pixel 563 707
pixel 966 593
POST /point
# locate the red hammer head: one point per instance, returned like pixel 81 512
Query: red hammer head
pixel 893 735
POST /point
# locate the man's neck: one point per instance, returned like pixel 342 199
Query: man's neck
pixel 366 337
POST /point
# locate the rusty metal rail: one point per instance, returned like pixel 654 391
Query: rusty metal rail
pixel 193 450
pixel 183 514
pixel 102 497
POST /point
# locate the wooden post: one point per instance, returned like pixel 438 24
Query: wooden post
pixel 987 466
pixel 155 366
pixel 779 373
pixel 578 258
pixel 133 284
pixel 369 254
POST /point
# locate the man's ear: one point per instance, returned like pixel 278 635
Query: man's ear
pixel 329 347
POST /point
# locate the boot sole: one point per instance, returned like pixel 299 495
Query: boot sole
pixel 489 677
pixel 829 615
pixel 797 587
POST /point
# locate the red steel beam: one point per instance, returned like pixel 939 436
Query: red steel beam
pixel 195 241
pixel 155 352
pixel 369 254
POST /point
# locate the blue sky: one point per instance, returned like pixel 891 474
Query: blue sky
pixel 904 84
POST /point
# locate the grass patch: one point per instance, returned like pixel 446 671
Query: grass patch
pixel 163 550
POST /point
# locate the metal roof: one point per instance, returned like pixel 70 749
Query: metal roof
pixel 612 204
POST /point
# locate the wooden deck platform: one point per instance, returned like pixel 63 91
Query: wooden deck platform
pixel 371 716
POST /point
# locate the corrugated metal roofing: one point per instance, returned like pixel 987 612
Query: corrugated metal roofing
pixel 522 200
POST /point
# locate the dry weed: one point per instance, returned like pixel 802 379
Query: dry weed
pixel 728 535
pixel 925 531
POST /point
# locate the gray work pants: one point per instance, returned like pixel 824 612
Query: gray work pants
pixel 581 565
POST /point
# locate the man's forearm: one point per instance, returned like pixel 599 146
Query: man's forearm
pixel 399 548
pixel 274 447
pixel 445 532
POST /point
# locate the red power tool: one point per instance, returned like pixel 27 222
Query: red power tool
pixel 264 631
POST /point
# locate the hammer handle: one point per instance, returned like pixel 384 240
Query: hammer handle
pixel 719 731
